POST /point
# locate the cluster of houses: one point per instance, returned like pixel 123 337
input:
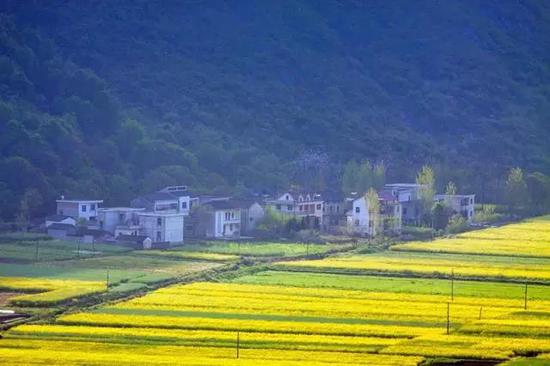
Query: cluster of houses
pixel 174 213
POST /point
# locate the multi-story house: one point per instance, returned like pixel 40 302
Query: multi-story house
pixel 220 219
pixel 172 199
pixel 78 208
pixel 359 219
pixel 408 195
pixel 463 204
pixel 334 212
pixel 305 206
pixel 161 227
pixel 120 220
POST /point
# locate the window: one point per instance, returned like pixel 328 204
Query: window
pixel 357 209
pixel 330 208
pixel 287 198
pixel 233 214
pixel 404 211
pixel 121 217
pixel 356 222
pixel 159 221
pixel 92 207
pixel 337 208
pixel 230 227
pixel 471 201
pixel 289 207
pixel 300 207
pixel 184 205
pixel 278 207
pixel 251 219
pixel 159 236
pixel 318 206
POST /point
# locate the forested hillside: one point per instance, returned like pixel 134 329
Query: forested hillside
pixel 112 98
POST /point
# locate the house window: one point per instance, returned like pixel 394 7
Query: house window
pixel 404 211
pixel 121 217
pixel 471 201
pixel 318 206
pixel 330 208
pixel 300 207
pixel 92 207
pixel 159 237
pixel 357 209
pixel 230 227
pixel 287 198
pixel 337 208
pixel 251 219
pixel 159 221
pixel 84 207
pixel 356 222
pixel 184 205
pixel 289 207
pixel 233 215
pixel 278 207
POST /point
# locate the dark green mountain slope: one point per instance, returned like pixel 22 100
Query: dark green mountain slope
pixel 241 89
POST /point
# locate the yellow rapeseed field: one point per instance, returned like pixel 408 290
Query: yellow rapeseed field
pixel 48 291
pixel 528 238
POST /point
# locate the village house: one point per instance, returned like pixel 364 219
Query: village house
pixel 172 199
pixel 308 207
pixel 408 195
pixel 362 221
pixel 78 208
pixel 251 213
pixel 120 220
pixel 463 204
pixel 334 212
pixel 60 219
pixel 220 219
pixel 162 227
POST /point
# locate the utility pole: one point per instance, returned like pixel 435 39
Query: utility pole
pixel 525 298
pixel 238 343
pixel 448 318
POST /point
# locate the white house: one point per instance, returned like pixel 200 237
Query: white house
pixel 119 220
pixel 78 209
pixel 222 219
pixel 463 204
pixel 359 218
pixel 162 227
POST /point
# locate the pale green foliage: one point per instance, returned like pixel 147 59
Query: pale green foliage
pixel 374 208
pixel 360 177
pixel 516 189
pixel 426 178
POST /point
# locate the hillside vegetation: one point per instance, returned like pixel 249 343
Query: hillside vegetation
pixel 115 98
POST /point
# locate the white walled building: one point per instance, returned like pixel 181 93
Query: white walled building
pixel 307 206
pixel 223 219
pixel 359 220
pixel 119 220
pixel 162 227
pixel 78 209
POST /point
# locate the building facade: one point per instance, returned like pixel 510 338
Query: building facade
pixel 78 209
pixel 161 227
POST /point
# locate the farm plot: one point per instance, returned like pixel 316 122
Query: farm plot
pixel 289 324
pixel 48 292
pixel 530 238
pixel 261 249
pixel 432 264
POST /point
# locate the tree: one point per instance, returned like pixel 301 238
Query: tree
pixel 349 179
pixel 538 186
pixel 426 179
pixel 374 210
pixel 516 190
pixel 379 175
pixel 28 207
pixel 450 189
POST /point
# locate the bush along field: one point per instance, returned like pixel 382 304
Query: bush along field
pixel 389 308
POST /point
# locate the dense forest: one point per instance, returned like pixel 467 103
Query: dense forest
pixel 113 98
